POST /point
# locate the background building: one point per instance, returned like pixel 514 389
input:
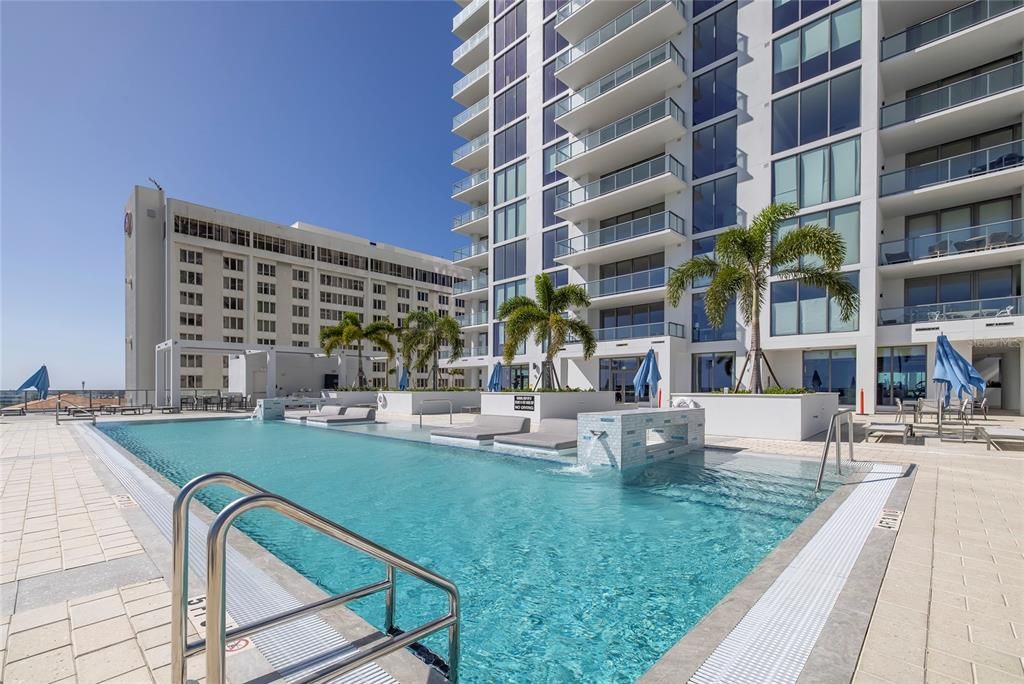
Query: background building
pixel 193 273
pixel 612 140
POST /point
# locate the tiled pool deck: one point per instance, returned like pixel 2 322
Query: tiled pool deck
pixel 84 594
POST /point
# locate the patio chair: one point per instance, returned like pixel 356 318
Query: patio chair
pixel 940 248
pixel 1005 311
pixel 999 239
pixel 485 428
pixel 993 435
pixel 897 257
pixel 886 429
pixel 554 434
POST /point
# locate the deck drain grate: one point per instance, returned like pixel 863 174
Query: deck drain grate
pixel 124 501
pixel 890 519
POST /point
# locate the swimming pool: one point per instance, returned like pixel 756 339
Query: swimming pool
pixel 563 576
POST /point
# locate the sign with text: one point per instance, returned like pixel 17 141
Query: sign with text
pixel 524 402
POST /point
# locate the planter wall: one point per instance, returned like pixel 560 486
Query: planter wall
pixel 766 416
pixel 539 405
pixel 415 403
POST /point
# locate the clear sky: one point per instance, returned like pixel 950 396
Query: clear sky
pixel 333 113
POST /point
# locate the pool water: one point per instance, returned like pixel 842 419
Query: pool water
pixel 563 575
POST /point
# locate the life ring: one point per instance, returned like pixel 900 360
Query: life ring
pixel 382 401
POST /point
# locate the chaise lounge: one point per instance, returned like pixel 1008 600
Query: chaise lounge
pixel 325 410
pixel 352 414
pixel 992 435
pixel 485 428
pixel 895 429
pixel 554 434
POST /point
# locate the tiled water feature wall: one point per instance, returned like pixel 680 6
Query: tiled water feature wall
pixel 634 437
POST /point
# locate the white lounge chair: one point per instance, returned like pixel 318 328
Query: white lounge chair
pixel 895 429
pixel 325 410
pixel 485 428
pixel 352 414
pixel 993 435
pixel 554 434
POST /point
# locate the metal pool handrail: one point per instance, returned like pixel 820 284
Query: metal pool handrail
pixel 451 408
pixel 216 545
pixel 835 428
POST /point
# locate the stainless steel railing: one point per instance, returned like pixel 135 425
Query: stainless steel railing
pixel 451 408
pixel 217 635
pixel 835 428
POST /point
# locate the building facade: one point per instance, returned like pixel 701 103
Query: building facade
pixel 610 141
pixel 197 274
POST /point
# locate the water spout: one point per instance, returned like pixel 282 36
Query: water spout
pixel 598 434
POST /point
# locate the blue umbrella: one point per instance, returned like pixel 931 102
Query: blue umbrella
pixel 40 382
pixel 953 371
pixel 647 376
pixel 494 384
pixel 403 380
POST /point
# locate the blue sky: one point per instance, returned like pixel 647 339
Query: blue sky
pixel 337 114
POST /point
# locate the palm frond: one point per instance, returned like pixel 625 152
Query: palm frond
pixel 839 286
pixel 810 240
pixel 573 296
pixel 681 278
pixel 513 303
pixel 585 334
pixel 726 286
pixel 545 290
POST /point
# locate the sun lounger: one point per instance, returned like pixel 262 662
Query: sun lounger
pixel 137 410
pixel 992 435
pixel 352 414
pixel 485 428
pixel 555 434
pixel 15 411
pixel 325 410
pixel 882 429
pixel 169 409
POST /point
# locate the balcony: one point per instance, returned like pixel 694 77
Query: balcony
pixel 642 286
pixel 470 19
pixel 472 189
pixel 473 52
pixel 471 285
pixel 468 353
pixel 472 122
pixel 973 105
pixel 971 309
pixel 472 256
pixel 636 332
pixel 975 176
pixel 471 87
pixel 472 320
pixel 472 155
pixel 709 334
pixel 579 18
pixel 638 186
pixel 616 94
pixel 622 241
pixel 637 136
pixel 985 30
pixel 963 249
pixel 649 22
pixel 472 222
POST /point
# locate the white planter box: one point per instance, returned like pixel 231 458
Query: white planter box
pixel 766 416
pixel 416 403
pixel 539 405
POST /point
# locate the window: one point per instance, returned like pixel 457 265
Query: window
pixel 704 247
pixel 233 339
pixel 550 159
pixel 551 129
pixel 380 289
pixel 633 215
pixel 832 370
pixel 191 298
pixel 442 299
pixel 714 93
pixel 800 308
pixel 816 48
pixel 510 221
pixel 268 270
pixel 460 303
pixel 825 109
pixel 714 204
pixel 844 220
pixel 702 6
pixel 550 238
pixel 300 293
pixel 714 37
pixel 552 86
pixel 266 288
pixel 554 42
pixel 824 174
pixel 422 296
pixel 191 361
pixel 510 27
pixel 510 260
pixel 499 348
pixel 380 305
pixel 191 381
pixel 403 308
pixel 300 329
pixel 507 291
pixel 713 372
pixel 234 303
pixel 265 326
pixel 510 66
pixel 403 293
pixel 268 341
pixel 714 148
pixel 265 307
pixel 234 264
pixel 626 316
pixel 549 203
pixel 300 311
pixel 191 278
pixel 559 278
pixel 234 284
pixel 233 323
pixel 510 105
pixel 510 143
pixel 902 374
pixel 300 275
pixel 510 183
pixel 703 331
pixel 786 12
pixel 990 283
pixel 190 256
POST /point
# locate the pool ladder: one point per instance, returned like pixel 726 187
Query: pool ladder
pixel 835 429
pixel 217 635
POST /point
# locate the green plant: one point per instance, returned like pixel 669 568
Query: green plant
pixel 769 390
pixel 547 320
pixel 744 260
pixel 425 334
pixel 351 331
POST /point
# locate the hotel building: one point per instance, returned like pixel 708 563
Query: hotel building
pixel 609 141
pixel 199 275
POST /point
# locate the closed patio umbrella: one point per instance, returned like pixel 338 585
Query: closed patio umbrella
pixel 647 376
pixel 494 383
pixel 403 379
pixel 40 381
pixel 953 372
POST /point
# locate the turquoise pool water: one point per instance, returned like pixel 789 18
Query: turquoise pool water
pixel 564 576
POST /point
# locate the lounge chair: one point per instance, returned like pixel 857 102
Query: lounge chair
pixel 485 428
pixel 554 434
pixel 993 435
pixel 883 429
pixel 325 410
pixel 13 411
pixel 168 409
pixel 352 414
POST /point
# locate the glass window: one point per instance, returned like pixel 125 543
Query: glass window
pixel 713 372
pixel 507 291
pixel 510 183
pixel 510 27
pixel 824 174
pixel 551 129
pixel 845 169
pixel 814 49
pixel 714 148
pixel 844 102
pixel 510 260
pixel 814 177
pixel 510 143
pixel 846 222
pixel 784 181
pixel 549 240
pixel 813 113
pixel 553 40
pixel 510 105
pixel 510 221
pixel 510 66
pixel 816 112
pixel 786 122
pixel 552 86
pixel 955 287
pixel 784 13
pixel 714 37
pixel 800 307
pixel 784 308
pixel 703 247
pixel 703 331
pixel 559 278
pixel 902 374
pixel 714 204
pixel 813 309
pixel 845 36
pixel 835 320
pixel 996 282
pixel 550 159
pixel 549 203
pixel 832 370
pixel 786 61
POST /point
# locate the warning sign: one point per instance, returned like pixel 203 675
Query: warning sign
pixel 197 618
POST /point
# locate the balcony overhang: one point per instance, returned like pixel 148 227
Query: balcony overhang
pixel 998 328
pixel 642 194
pixel 475 194
pixel 471 93
pixel 475 160
pixel 475 325
pixel 968 261
pixel 591 17
pixel 625 249
pixel 478 260
pixel 476 227
pixel 474 126
pixel 651 294
pixel 636 346
pixel 635 146
pixel 957 122
pixel 468 362
pixel 473 57
pixel 984 42
pixel 473 22
pixel 474 295
pixel 637 92
pixel 961 191
pixel 644 35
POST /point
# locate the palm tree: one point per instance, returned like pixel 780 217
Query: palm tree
pixel 351 331
pixel 744 260
pixel 546 319
pixel 425 334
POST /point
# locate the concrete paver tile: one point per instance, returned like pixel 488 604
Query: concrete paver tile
pixel 109 662
pixel 29 619
pixel 96 611
pixel 45 667
pixel 38 640
pixel 101 634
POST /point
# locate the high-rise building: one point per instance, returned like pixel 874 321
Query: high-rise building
pixel 197 274
pixel 610 141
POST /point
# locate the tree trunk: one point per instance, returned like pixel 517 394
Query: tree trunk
pixel 360 374
pixel 434 369
pixel 755 344
pixel 546 372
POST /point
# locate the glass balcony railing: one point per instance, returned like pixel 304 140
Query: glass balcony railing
pixel 474 214
pixel 641 280
pixel 470 43
pixel 646 225
pixel 634 332
pixel 478 283
pixel 476 318
pixel 949 242
pixel 470 181
pixel 470 251
pixel 710 334
pixel 470 147
pixel 471 77
pixel 621 179
pixel 466 114
pixel 613 28
pixel 466 12
pixel 639 66
pixel 988 160
pixel 467 352
pixel 970 89
pixel 657 111
pixel 996 307
pixel 951 22
pixel 570 8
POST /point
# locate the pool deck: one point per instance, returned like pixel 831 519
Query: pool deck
pixel 84 593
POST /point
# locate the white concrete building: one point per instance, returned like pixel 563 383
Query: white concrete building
pixel 612 140
pixel 205 277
